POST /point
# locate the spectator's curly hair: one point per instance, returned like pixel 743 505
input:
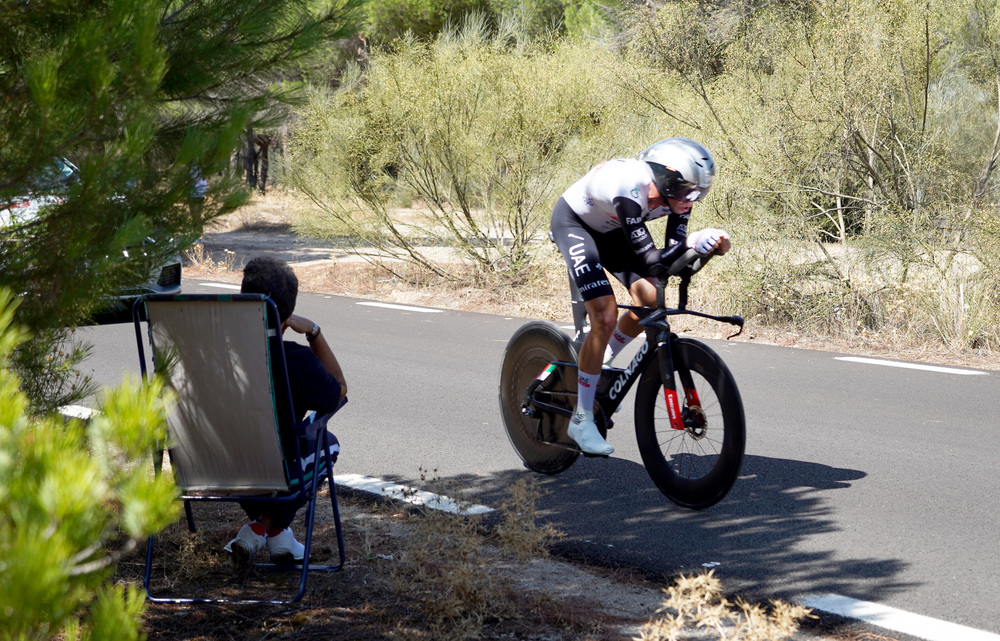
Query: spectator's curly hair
pixel 273 278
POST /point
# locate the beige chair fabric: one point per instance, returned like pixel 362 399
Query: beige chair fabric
pixel 224 428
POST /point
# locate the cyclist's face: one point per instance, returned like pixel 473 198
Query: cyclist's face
pixel 679 206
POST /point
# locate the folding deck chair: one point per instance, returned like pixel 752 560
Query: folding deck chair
pixel 232 432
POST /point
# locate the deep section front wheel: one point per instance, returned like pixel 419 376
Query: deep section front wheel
pixel 539 436
pixel 696 466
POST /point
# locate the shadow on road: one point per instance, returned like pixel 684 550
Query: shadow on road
pixel 614 516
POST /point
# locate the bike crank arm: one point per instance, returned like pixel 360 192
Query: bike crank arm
pixel 532 407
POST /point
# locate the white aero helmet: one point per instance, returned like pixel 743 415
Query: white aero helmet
pixel 682 169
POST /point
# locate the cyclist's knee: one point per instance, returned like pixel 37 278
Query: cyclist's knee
pixel 643 292
pixel 603 321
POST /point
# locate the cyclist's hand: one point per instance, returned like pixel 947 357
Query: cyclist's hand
pixel 705 241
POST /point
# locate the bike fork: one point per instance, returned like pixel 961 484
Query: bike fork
pixel 670 396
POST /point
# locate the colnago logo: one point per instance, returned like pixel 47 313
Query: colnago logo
pixel 616 389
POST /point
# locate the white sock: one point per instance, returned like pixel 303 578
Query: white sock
pixel 618 342
pixel 586 389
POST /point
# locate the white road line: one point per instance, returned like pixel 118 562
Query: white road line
pixel 405 308
pixel 221 285
pixel 409 494
pixel 77 411
pixel 927 368
pixel 896 620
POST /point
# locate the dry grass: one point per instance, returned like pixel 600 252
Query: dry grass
pixel 697 602
pixel 426 575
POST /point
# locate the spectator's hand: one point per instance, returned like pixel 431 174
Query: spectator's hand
pixel 298 324
pixel 705 241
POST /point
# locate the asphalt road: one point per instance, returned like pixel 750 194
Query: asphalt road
pixel 872 482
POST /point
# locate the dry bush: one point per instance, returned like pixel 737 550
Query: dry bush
pixel 205 260
pixel 449 569
pixel 518 532
pixel 444 570
pixel 696 602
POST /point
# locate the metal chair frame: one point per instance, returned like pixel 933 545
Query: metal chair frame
pixel 297 483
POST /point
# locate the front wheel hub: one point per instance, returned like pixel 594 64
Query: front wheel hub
pixel 695 422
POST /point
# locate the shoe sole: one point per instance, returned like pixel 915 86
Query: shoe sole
pixel 242 555
pixel 285 558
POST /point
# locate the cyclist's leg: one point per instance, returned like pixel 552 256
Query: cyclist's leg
pixel 585 252
pixel 643 294
pixel 577 244
pixel 603 312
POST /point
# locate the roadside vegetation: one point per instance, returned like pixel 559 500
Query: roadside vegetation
pixel 856 146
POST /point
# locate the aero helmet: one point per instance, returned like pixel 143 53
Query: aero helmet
pixel 682 169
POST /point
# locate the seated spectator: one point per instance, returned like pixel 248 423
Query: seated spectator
pixel 318 387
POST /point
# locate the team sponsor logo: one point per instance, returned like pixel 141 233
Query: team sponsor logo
pixel 633 221
pixel 646 248
pixel 670 398
pixel 616 389
pixel 588 201
pixel 576 254
pixel 589 286
pixel 635 192
pixel 638 234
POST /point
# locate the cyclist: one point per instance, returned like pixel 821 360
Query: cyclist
pixel 599 224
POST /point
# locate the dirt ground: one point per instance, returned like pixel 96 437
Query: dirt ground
pixel 555 600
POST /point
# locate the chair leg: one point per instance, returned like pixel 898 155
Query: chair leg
pixel 147 577
pixel 190 516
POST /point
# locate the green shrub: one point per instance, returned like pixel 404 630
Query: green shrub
pixel 483 132
pixel 74 498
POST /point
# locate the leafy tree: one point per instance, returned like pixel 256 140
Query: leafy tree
pixel 146 97
pixel 73 499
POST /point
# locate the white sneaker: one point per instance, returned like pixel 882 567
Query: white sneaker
pixel 246 545
pixel 588 437
pixel 284 549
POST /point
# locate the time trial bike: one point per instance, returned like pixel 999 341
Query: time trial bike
pixel 689 420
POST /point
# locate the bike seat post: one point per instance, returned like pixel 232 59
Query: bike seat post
pixel 579 311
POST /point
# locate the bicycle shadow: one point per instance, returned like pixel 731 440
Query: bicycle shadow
pixel 614 516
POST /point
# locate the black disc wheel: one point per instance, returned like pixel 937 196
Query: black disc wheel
pixel 539 435
pixel 696 466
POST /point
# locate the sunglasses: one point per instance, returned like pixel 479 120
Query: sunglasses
pixel 686 192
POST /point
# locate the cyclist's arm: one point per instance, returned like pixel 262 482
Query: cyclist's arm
pixel 634 227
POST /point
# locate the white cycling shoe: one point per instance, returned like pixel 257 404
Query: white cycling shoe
pixel 588 437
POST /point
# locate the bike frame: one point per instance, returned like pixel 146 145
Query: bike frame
pixel 615 383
